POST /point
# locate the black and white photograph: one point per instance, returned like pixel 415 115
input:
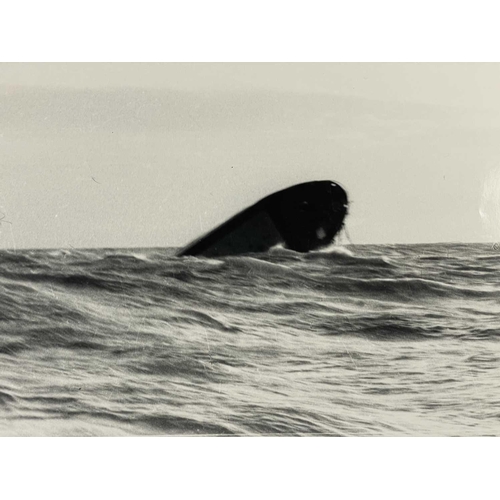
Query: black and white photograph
pixel 249 249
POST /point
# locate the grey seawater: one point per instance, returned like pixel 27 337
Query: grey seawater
pixel 350 341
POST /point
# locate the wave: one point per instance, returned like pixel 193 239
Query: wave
pixel 121 342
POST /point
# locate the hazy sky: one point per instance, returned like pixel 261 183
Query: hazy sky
pixel 111 155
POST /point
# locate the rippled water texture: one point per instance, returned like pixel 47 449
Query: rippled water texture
pixel 357 340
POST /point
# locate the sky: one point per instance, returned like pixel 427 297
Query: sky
pixel 155 154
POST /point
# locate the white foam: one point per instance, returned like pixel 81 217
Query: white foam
pixel 336 249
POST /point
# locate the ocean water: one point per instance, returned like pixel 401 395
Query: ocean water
pixel 400 340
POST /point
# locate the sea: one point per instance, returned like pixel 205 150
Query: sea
pixel 353 340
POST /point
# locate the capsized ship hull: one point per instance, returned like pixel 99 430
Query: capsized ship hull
pixel 303 217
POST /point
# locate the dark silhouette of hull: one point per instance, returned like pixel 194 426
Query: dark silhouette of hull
pixel 303 217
